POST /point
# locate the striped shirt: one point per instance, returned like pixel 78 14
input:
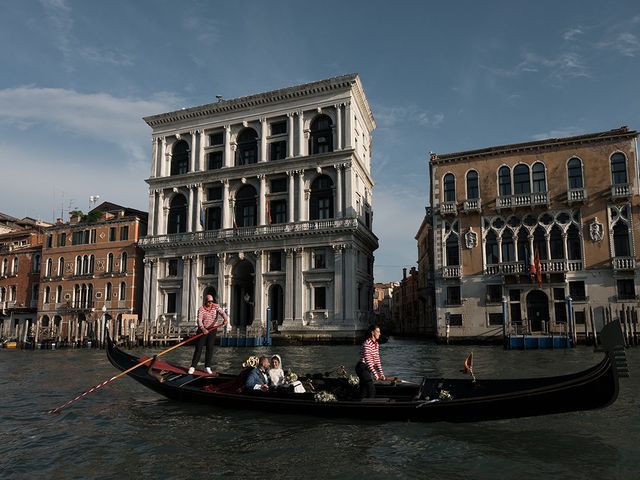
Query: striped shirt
pixel 370 356
pixel 207 316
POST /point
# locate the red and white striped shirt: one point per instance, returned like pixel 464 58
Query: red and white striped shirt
pixel 370 356
pixel 207 316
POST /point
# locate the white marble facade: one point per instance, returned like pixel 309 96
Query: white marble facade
pixel 266 201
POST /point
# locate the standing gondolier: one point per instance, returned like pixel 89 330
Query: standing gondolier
pixel 207 316
pixel 369 368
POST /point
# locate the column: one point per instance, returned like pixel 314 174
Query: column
pixel 152 286
pixel 339 212
pixel 338 126
pixel 300 291
pixel 186 289
pixel 222 298
pixel 152 212
pixel 348 130
pixel 154 157
pixel 192 152
pixel 163 157
pixel 160 222
pixel 263 139
pixel 258 310
pixel 199 211
pixel 499 249
pixel 196 300
pixel 262 200
pixel 301 203
pixel 300 134
pixel 289 288
pixel 201 144
pixel 338 286
pixel 548 246
pixel 348 283
pixel 290 135
pixel 226 215
pixel 348 192
pixel 190 221
pixel 228 161
pixel 291 206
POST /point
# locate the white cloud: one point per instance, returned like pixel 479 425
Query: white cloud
pixel 625 43
pixel 572 33
pixel 558 133
pixel 99 116
pixel 387 117
pixel 563 66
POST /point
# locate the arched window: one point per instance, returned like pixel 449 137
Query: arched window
pixel 89 302
pixel 123 291
pixel 449 188
pixel 59 294
pixel 85 264
pixel 321 200
pixel 540 243
pixel 574 173
pixel 246 207
pixel 523 248
pixel 177 215
pixel 108 291
pixel 47 292
pixel 109 267
pixel 36 263
pixel 538 177
pixel 574 250
pixel 508 246
pixel 321 135
pixel 556 245
pixel 247 151
pixel 76 295
pixel 621 240
pixel 453 249
pixel 473 190
pixel 78 265
pixel 504 181
pixel 92 263
pixel 521 181
pixel 5 264
pixel 61 266
pixel 123 262
pixel 180 158
pixel 618 169
pixel 49 267
pixel 491 248
pixel 15 265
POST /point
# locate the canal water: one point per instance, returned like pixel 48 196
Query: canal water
pixel 127 431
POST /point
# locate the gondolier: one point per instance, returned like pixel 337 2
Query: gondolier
pixel 207 318
pixel 369 368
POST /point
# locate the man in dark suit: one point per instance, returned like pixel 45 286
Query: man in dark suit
pixel 258 378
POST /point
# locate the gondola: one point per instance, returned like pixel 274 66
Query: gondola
pixel 432 400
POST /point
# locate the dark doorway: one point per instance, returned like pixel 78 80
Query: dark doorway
pixel 276 304
pixel 537 309
pixel 242 301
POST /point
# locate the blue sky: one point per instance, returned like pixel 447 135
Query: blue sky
pixel 78 76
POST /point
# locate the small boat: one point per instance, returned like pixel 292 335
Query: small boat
pixel 10 344
pixel 432 400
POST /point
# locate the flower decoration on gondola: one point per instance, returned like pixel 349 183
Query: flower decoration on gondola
pixel 290 377
pixel 445 395
pixel 252 362
pixel 324 397
pixel 353 380
pixel 342 372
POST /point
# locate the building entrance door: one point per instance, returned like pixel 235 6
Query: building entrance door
pixel 242 288
pixel 537 309
pixel 276 304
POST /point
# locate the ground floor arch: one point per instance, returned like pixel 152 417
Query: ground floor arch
pixel 242 294
pixel 537 310
pixel 276 304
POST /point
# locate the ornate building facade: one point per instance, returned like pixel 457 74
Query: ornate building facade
pixel 264 201
pixel 539 233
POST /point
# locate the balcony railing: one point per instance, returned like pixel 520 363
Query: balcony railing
pixel 473 205
pixel 576 195
pixel 624 263
pixel 448 208
pixel 523 200
pixel 452 271
pixel 213 236
pixel 546 266
pixel 622 190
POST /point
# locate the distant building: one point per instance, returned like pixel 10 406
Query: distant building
pixel 20 261
pixel 532 225
pixel 406 319
pixel 89 264
pixel 426 291
pixel 383 304
pixel 265 201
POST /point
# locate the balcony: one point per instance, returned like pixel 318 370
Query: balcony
pixel 622 190
pixel 471 206
pixel 523 200
pixel 624 263
pixel 576 195
pixel 546 266
pixel 448 208
pixel 452 271
pixel 211 237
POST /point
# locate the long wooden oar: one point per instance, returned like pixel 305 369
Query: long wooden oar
pixel 139 364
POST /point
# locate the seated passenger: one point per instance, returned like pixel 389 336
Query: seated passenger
pixel 276 374
pixel 258 378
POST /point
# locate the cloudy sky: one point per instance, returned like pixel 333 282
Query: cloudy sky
pixel 78 76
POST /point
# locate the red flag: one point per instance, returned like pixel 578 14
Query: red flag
pixel 538 269
pixel 532 265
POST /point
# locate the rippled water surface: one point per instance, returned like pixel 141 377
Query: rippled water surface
pixel 127 431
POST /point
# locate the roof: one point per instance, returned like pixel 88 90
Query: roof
pixel 244 103
pixel 108 207
pixel 622 133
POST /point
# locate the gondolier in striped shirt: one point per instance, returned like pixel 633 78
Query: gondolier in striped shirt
pixel 207 319
pixel 369 368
